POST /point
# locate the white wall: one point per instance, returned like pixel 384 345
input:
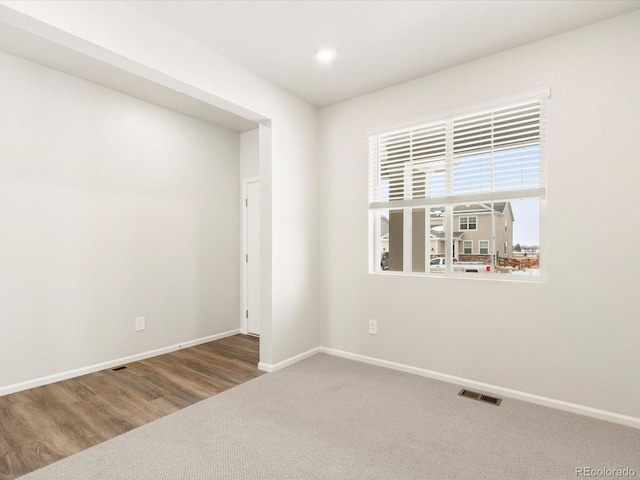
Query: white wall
pixel 110 208
pixel 249 154
pixel 120 35
pixel 574 338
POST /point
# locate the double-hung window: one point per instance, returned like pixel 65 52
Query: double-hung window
pixel 466 188
pixel 468 223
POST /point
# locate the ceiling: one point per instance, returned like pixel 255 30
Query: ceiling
pixel 378 43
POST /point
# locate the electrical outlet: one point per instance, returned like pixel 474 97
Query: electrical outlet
pixel 373 327
pixel 140 323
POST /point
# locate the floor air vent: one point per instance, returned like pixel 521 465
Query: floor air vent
pixel 480 397
pixel 128 365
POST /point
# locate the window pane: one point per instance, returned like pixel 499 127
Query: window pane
pixel 468 223
pixel 418 246
pixel 382 239
pixel 428 161
pixel 525 249
pixel 472 174
pixel 437 240
pixel 474 249
pixel 516 168
pixel 396 223
pixel 389 239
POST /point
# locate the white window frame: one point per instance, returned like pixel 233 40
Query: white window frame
pixel 405 197
pixel 467 223
pixel 464 247
pixel 480 242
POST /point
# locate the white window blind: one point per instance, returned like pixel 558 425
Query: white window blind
pixel 487 155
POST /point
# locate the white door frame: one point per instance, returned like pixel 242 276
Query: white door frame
pixel 244 266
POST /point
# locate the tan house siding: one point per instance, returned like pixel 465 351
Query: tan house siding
pixel 396 235
pixel 501 235
pixel 484 231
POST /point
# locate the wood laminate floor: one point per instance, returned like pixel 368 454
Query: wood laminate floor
pixel 44 424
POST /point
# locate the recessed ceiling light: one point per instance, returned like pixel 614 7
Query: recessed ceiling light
pixel 325 55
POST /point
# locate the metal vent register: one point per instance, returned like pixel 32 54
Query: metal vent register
pixel 481 397
pixel 128 365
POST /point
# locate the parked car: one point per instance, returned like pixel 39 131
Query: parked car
pixel 438 265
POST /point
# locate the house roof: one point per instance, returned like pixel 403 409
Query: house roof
pixel 439 234
pixel 499 207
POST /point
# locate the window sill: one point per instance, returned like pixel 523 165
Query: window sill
pixel 495 277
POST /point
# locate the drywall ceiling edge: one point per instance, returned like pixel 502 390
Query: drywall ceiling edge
pixel 35 41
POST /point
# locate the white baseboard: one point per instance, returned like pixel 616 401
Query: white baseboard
pixel 111 363
pixel 266 367
pixel 463 382
pixel 492 389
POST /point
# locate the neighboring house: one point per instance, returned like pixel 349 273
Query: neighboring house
pixel 471 236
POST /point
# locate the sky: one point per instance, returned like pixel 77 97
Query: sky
pixel 526 227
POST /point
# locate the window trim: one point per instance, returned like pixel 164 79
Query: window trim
pixel 464 248
pixel 480 242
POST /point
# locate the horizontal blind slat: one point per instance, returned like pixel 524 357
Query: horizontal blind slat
pixel 492 151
